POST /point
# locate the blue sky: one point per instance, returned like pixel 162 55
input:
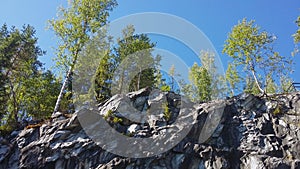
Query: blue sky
pixel 214 17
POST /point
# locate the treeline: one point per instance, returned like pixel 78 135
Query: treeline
pixel 28 91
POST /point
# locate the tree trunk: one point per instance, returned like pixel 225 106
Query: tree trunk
pixel 67 79
pixel 256 81
pixel 63 88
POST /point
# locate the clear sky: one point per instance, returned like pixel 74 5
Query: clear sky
pixel 214 17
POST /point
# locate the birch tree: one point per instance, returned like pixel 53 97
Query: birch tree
pixel 74 27
pixel 252 50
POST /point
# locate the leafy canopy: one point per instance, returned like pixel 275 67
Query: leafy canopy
pixel 252 52
pixel 26 92
pixel 74 27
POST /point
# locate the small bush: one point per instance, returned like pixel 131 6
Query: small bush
pixel 109 116
pixel 277 110
pixel 167 112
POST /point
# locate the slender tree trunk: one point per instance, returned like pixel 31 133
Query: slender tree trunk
pixel 64 86
pixel 256 81
pixel 70 71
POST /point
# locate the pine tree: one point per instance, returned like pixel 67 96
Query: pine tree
pixel 126 66
pixel 26 91
pixel 134 62
pixel 103 78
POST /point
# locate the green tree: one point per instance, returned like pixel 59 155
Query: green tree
pixel 172 85
pixel 250 86
pixel 271 86
pixel 103 78
pixel 19 54
pixel 251 49
pixel 161 78
pixel 208 61
pixel 297 34
pixel 206 82
pixel 297 37
pixel 126 66
pixel 74 27
pixel 134 62
pixel 4 64
pixel 24 86
pixel 187 90
pixel 232 78
pixel 39 95
pixel 172 75
pixel 202 83
pixel 286 84
pixel 94 70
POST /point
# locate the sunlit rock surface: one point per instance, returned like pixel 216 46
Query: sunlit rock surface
pixel 241 132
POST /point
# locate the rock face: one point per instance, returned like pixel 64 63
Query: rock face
pixel 241 132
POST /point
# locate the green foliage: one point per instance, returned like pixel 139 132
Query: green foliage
pixel 168 82
pixel 167 112
pixel 130 62
pixel 7 128
pixel 92 71
pixel 109 116
pixel 206 82
pixel 25 90
pixel 19 54
pixel 296 37
pixel 202 82
pixel 103 76
pixel 297 34
pixel 286 85
pixel 117 120
pixel 208 61
pixel 159 80
pixel 74 27
pixel 133 54
pixel 251 50
pixel 277 110
pixel 271 86
pixel 144 78
pixel 172 75
pixel 40 95
pixel 165 88
pixel 232 78
pixel 187 90
pixel 251 87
